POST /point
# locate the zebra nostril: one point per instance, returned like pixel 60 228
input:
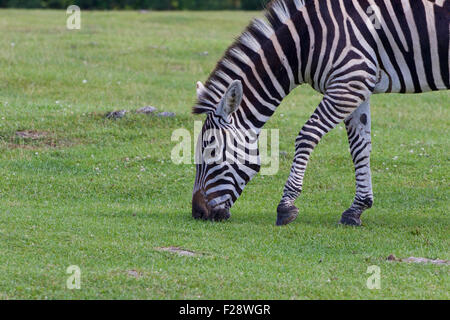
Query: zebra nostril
pixel 220 214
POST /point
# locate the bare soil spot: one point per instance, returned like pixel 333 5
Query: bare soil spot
pixel 34 139
pixel 134 273
pixel 418 260
pixel 32 134
pixel 179 251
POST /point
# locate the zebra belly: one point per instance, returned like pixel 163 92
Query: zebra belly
pixel 384 83
pixel 412 45
pixel 389 83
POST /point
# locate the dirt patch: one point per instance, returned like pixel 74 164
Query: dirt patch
pixel 179 251
pixel 42 144
pixel 134 273
pixel 418 260
pixel 35 140
pixel 32 134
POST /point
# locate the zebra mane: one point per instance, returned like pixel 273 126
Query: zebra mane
pixel 260 30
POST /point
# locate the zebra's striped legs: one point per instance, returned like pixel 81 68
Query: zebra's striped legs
pixel 359 137
pixel 325 118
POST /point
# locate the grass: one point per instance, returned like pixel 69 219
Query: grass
pixel 104 195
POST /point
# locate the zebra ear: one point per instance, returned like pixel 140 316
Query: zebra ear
pixel 231 100
pixel 200 88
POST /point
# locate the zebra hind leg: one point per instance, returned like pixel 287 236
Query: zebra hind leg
pixel 359 137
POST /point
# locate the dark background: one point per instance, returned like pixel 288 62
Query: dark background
pixel 139 4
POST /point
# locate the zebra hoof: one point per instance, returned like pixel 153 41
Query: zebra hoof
pixel 351 218
pixel 286 214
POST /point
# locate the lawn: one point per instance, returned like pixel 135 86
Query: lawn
pixel 104 195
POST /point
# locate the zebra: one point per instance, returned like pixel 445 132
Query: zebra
pixel 345 49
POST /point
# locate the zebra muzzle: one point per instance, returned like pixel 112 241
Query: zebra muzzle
pixel 202 210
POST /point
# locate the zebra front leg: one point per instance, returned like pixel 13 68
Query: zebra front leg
pixel 326 117
pixel 359 137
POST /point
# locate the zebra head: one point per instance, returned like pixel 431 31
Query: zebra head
pixel 227 157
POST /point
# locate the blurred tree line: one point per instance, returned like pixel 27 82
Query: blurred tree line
pixel 139 4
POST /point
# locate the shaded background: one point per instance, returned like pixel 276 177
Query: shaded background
pixel 139 4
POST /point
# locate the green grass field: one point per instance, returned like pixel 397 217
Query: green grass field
pixel 104 195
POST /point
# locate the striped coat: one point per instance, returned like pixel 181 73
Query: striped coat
pixel 345 49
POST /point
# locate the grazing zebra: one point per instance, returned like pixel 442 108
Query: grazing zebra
pixel 345 49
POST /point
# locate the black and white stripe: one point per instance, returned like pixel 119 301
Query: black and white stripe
pixel 345 49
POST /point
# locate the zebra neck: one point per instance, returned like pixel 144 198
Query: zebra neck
pixel 268 58
pixel 270 64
